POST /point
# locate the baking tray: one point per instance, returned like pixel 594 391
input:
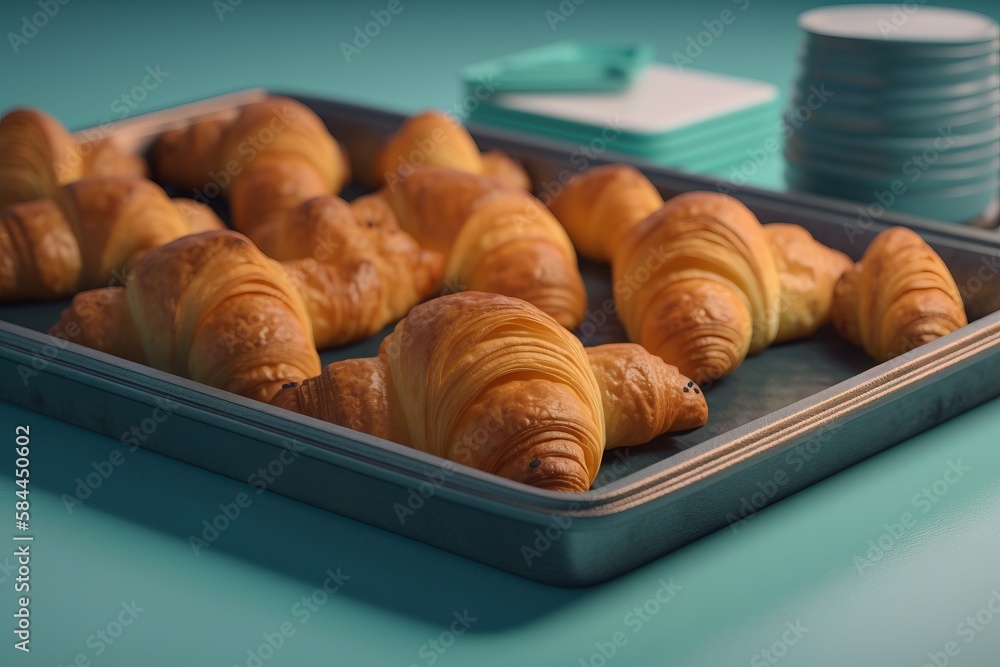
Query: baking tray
pixel 787 418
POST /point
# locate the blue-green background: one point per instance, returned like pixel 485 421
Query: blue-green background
pixel 795 562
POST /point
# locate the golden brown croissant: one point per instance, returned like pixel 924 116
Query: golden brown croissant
pixel 698 280
pixel 356 277
pixel 598 206
pixel 493 382
pixel 696 284
pixel 88 235
pixel 898 297
pixel 496 239
pixel 807 274
pixel 434 138
pixel 209 307
pixel 38 156
pixel 273 156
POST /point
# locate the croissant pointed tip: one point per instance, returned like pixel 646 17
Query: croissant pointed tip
pixel 693 410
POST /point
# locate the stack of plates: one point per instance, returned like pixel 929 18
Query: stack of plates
pixel 898 106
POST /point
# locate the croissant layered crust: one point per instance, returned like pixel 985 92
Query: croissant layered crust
pixel 89 235
pixel 698 280
pixel 433 138
pixel 273 156
pixel 492 382
pixel 38 156
pixel 494 239
pixel 599 206
pixel 899 296
pixel 706 287
pixel 355 277
pixel 208 307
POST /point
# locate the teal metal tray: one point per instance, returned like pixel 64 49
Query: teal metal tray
pixel 796 413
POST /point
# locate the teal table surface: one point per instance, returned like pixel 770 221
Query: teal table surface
pixel 895 561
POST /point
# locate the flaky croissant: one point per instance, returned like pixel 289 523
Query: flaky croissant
pixel 494 383
pixel 696 284
pixel 38 156
pixel 88 235
pixel 600 205
pixel 899 296
pixel 433 138
pixel 356 277
pixel 808 271
pixel 698 280
pixel 273 156
pixel 208 307
pixel 495 239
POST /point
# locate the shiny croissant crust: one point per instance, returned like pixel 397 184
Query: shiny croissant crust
pixel 275 155
pixel 38 156
pixel 494 239
pixel 898 297
pixel 89 234
pixel 210 308
pixel 698 280
pixel 435 139
pixel 493 382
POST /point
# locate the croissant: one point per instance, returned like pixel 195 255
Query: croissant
pixel 356 277
pixel 209 307
pixel 88 234
pixel 698 280
pixel 273 156
pixel 496 239
pixel 808 271
pixel 433 138
pixel 495 383
pixel 598 206
pixel 38 156
pixel 696 284
pixel 899 296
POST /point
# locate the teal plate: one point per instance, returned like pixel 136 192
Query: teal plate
pixel 564 67
pixel 819 150
pixel 942 91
